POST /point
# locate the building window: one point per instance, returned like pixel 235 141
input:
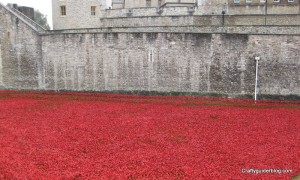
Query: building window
pixel 93 10
pixel 148 3
pixel 262 1
pixel 236 1
pixel 277 1
pixel 248 1
pixel 290 1
pixel 63 10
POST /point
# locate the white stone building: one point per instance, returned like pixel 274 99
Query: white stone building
pixel 74 14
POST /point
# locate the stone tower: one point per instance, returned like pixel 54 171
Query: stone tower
pixel 74 14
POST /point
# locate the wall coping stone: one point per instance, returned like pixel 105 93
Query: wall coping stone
pixel 251 30
pixel 214 15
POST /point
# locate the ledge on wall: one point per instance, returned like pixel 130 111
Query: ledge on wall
pixel 290 97
pixel 251 30
pixel 175 4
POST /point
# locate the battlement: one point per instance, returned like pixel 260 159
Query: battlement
pixel 192 16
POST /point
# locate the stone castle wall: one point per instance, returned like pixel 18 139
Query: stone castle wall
pixel 211 20
pixel 20 50
pixel 200 59
pixel 180 62
pixel 78 14
pixel 202 16
pixel 203 10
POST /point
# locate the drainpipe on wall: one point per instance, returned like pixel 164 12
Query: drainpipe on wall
pixel 257 58
pixel 266 11
pixel 223 18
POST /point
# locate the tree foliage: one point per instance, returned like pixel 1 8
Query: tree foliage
pixel 41 19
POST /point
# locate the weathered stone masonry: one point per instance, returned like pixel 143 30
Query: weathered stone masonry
pixel 203 60
pixel 20 53
pixel 181 62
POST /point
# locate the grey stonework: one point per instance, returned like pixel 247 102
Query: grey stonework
pixel 203 20
pixel 20 52
pixel 203 10
pixel 254 30
pixel 180 62
pixel 78 14
pixel 184 13
pixel 202 59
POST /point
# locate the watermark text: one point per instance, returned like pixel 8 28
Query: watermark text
pixel 266 171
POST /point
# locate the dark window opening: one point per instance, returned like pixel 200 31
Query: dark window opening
pixel 93 10
pixel 63 10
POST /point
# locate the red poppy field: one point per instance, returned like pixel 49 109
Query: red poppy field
pixel 48 135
